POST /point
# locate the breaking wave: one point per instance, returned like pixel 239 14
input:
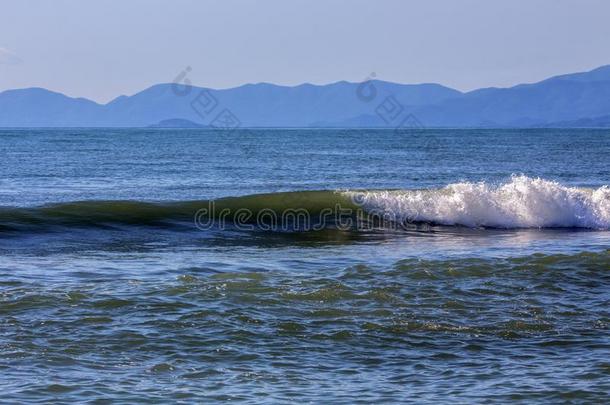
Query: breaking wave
pixel 522 202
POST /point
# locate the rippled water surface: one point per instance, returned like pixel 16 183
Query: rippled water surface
pixel 131 302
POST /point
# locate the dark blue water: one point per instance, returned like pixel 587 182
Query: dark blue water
pixel 40 166
pixel 489 283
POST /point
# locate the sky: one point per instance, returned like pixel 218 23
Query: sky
pixel 100 49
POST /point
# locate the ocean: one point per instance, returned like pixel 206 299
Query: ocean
pixel 311 265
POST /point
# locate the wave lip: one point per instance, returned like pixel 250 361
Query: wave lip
pixel 522 202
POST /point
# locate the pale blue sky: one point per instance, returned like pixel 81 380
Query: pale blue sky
pixel 100 49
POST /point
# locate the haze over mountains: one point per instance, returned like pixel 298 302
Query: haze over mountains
pixel 580 99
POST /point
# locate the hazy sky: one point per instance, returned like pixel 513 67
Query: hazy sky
pixel 100 49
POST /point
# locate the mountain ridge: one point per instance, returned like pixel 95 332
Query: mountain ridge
pixel 560 99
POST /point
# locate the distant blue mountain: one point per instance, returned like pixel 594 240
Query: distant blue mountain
pixel 263 104
pixel 595 122
pixel 560 100
pixel 176 123
pixel 37 107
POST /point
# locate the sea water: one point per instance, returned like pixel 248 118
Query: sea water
pixel 272 265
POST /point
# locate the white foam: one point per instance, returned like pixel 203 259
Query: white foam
pixel 522 202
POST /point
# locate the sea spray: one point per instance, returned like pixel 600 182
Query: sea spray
pixel 521 202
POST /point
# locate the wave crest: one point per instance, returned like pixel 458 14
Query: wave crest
pixel 522 202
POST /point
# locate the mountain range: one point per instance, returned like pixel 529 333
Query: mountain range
pixel 578 99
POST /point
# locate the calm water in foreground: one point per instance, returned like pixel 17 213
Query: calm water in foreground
pixel 489 283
